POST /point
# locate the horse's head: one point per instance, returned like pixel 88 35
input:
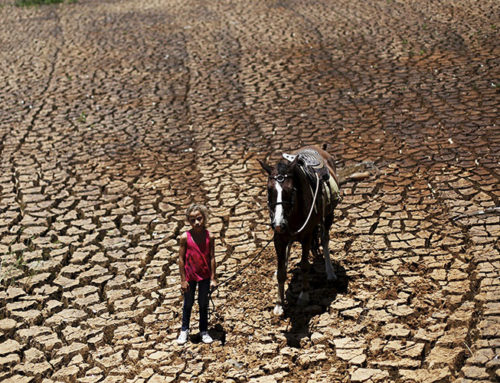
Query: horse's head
pixel 281 193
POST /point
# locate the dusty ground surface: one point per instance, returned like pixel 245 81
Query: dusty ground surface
pixel 115 115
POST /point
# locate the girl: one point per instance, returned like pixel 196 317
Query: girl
pixel 197 268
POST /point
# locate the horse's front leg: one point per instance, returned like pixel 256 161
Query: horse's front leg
pixel 304 267
pixel 281 253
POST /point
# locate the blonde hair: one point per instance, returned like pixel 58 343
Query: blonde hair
pixel 197 207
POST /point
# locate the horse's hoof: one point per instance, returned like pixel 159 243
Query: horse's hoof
pixel 278 310
pixel 303 299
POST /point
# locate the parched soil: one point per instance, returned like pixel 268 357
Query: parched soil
pixel 116 115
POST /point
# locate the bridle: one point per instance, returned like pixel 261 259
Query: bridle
pixel 280 178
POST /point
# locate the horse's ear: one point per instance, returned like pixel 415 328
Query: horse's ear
pixel 265 166
pixel 295 166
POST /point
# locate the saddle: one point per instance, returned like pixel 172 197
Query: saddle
pixel 313 164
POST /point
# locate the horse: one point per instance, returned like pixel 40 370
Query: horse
pixel 302 192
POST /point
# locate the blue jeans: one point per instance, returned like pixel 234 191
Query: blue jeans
pixel 203 290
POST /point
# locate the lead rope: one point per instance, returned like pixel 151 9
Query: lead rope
pixel 236 273
pixel 312 205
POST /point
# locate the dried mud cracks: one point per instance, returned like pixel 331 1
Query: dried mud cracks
pixel 114 114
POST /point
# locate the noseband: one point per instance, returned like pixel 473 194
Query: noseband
pixel 280 177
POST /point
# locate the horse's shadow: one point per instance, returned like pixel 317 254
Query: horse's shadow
pixel 321 294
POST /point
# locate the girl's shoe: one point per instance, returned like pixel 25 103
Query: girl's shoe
pixel 205 338
pixel 183 337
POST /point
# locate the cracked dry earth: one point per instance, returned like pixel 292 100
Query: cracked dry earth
pixel 116 115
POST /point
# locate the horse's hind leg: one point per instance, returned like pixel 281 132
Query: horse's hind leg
pixel 316 242
pixel 304 267
pixel 325 240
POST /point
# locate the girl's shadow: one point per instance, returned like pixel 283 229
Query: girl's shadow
pixel 217 332
pixel 321 294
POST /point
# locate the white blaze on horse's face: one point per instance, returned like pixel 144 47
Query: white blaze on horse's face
pixel 279 218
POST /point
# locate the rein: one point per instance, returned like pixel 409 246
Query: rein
pixel 235 274
pixel 279 178
pixel 312 206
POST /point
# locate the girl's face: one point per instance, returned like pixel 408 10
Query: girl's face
pixel 196 220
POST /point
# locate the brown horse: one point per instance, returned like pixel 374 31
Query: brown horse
pixel 302 194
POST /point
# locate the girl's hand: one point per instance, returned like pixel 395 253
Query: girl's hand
pixel 184 286
pixel 213 284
